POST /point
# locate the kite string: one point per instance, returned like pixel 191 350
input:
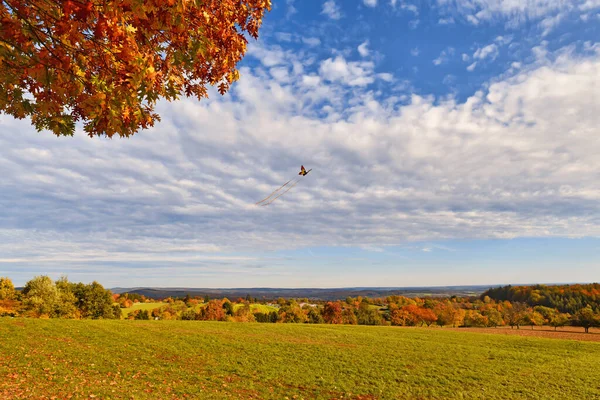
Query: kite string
pixel 288 189
pixel 275 191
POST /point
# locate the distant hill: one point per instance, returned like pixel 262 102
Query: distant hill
pixel 310 293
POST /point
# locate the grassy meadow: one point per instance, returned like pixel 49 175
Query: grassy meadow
pixel 141 306
pixel 118 359
pixel 256 307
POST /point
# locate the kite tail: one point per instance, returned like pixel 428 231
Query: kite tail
pixel 287 190
pixel 275 191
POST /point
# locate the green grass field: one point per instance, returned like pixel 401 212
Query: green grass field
pixel 141 306
pixel 211 360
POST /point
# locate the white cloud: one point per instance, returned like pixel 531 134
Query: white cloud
pixel 472 66
pixel 517 158
pixel 515 12
pixel 465 57
pixel 444 56
pixel 414 52
pixel 446 21
pixel 589 5
pixel 351 73
pixel 503 40
pixel 410 7
pixel 385 76
pixel 489 51
pixel 363 50
pixel 404 6
pixel 291 9
pixel 331 9
pixel 549 23
pixel 283 36
pixel 370 3
pixel 311 41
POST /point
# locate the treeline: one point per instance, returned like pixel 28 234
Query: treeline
pixel 506 306
pixel 43 298
pixel 564 298
pixel 392 310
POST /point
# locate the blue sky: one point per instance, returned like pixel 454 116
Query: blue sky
pixel 452 142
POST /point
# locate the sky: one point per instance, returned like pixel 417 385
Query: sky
pixel 452 142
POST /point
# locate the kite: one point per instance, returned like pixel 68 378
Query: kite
pixel 277 193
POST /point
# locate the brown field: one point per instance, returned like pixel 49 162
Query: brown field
pixel 568 333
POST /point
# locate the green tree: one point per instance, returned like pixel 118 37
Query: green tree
pixel 94 301
pixel 143 315
pixel 40 296
pixel 586 318
pixel 559 320
pixel 494 317
pixel 292 313
pixel 228 307
pixel 314 317
pixel 367 315
pixel 66 303
pixel 534 318
pixel 189 315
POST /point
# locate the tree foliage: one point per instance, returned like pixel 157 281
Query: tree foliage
pixel 565 298
pixel 40 296
pixel 7 289
pixel 44 298
pixel 106 63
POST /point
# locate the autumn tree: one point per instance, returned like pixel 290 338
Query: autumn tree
pixel 332 312
pixel 213 311
pixel 292 313
pixel 473 318
pixel 427 316
pixel 244 314
pixel 514 314
pixel 8 304
pixel 398 316
pixel 7 289
pixel 107 63
pixel 444 313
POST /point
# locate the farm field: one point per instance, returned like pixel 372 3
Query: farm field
pixel 570 332
pixel 141 306
pixel 256 307
pixel 117 359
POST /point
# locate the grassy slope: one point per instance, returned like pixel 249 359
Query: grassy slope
pixel 170 359
pixel 257 307
pixel 141 306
